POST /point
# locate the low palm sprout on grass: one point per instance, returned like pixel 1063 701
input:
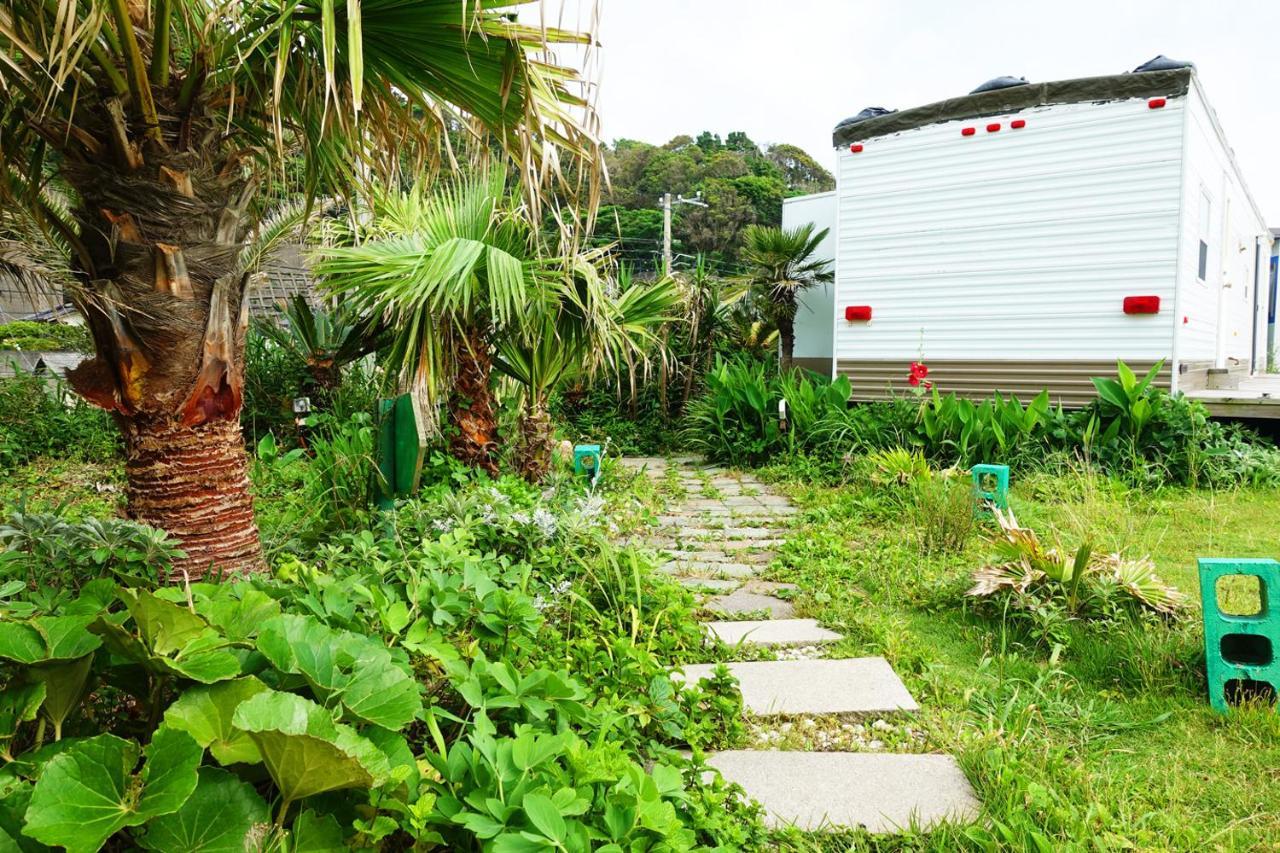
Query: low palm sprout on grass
pixel 1026 566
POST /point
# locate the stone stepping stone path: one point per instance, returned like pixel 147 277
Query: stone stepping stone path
pixel 771 632
pixel 773 688
pixel 716 541
pixel 836 790
pixel 743 600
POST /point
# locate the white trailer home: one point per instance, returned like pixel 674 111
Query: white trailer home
pixel 1027 236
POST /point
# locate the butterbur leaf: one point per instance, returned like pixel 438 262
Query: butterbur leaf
pixel 219 817
pixel 239 617
pixel 170 639
pixel 46 639
pixel 88 793
pixel 304 750
pixel 64 686
pixel 18 704
pixel 15 794
pixel 358 670
pixel 205 713
pixel 315 833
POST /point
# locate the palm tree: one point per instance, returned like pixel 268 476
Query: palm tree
pixel 449 270
pixel 591 324
pixel 166 118
pixel 782 263
pixel 325 340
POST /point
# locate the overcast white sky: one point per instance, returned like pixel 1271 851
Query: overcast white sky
pixel 788 70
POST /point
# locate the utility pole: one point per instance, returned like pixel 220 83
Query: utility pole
pixel 667 201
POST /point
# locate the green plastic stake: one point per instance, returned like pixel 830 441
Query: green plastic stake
pixel 1239 649
pixel 982 497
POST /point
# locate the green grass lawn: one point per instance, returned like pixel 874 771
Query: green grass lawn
pixel 1105 741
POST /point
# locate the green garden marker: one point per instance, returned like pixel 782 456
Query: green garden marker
pixel 1239 649
pixel 402 447
pixel 983 496
pixel 586 460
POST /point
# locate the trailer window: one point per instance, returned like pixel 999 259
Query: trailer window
pixel 1206 212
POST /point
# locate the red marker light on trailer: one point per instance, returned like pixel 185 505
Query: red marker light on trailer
pixel 855 148
pixel 1018 123
pixel 993 128
pixel 1142 305
pixel 969 131
pixel 1155 103
pixel 854 313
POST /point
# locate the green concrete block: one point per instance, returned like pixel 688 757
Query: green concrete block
pixel 1240 650
pixel 982 496
pixel 586 460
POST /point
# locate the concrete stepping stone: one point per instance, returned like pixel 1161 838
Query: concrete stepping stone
pixel 717 584
pixel 670 544
pixel 749 532
pixel 745 601
pixel 759 558
pixel 833 791
pixel 772 632
pixel 770 587
pixel 787 687
pixel 685 567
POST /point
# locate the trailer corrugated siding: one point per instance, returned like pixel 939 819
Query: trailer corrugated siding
pixel 1018 245
pixel 1069 383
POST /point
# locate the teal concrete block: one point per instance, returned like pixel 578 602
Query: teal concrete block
pixel 982 496
pixel 1240 650
pixel 586 460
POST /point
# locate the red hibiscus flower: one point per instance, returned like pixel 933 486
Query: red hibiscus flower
pixel 918 370
pixel 913 380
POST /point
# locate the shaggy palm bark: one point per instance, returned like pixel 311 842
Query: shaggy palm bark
pixel 162 218
pixel 787 335
pixel 536 450
pixel 472 411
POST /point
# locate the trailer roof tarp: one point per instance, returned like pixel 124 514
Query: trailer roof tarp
pixel 1148 84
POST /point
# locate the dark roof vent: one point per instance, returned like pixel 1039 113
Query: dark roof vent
pixel 1163 63
pixel 999 83
pixel 868 113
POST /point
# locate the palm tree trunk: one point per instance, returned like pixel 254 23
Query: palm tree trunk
pixel 536 451
pixel 194 483
pixel 472 413
pixel 787 334
pixel 165 299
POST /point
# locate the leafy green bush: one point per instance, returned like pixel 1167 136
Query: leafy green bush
pixel 941 511
pixel 40 417
pixel 470 679
pixel 998 429
pixel 736 420
pixel 31 336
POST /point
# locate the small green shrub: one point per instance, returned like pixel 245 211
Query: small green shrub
pixel 41 417
pixel 941 511
pixel 736 420
pixel 32 336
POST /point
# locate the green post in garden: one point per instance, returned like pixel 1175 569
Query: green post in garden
pixel 1240 648
pixel 402 446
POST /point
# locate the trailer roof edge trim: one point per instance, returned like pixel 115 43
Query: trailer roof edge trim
pixel 1115 87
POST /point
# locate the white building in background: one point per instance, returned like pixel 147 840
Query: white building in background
pixel 1028 235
